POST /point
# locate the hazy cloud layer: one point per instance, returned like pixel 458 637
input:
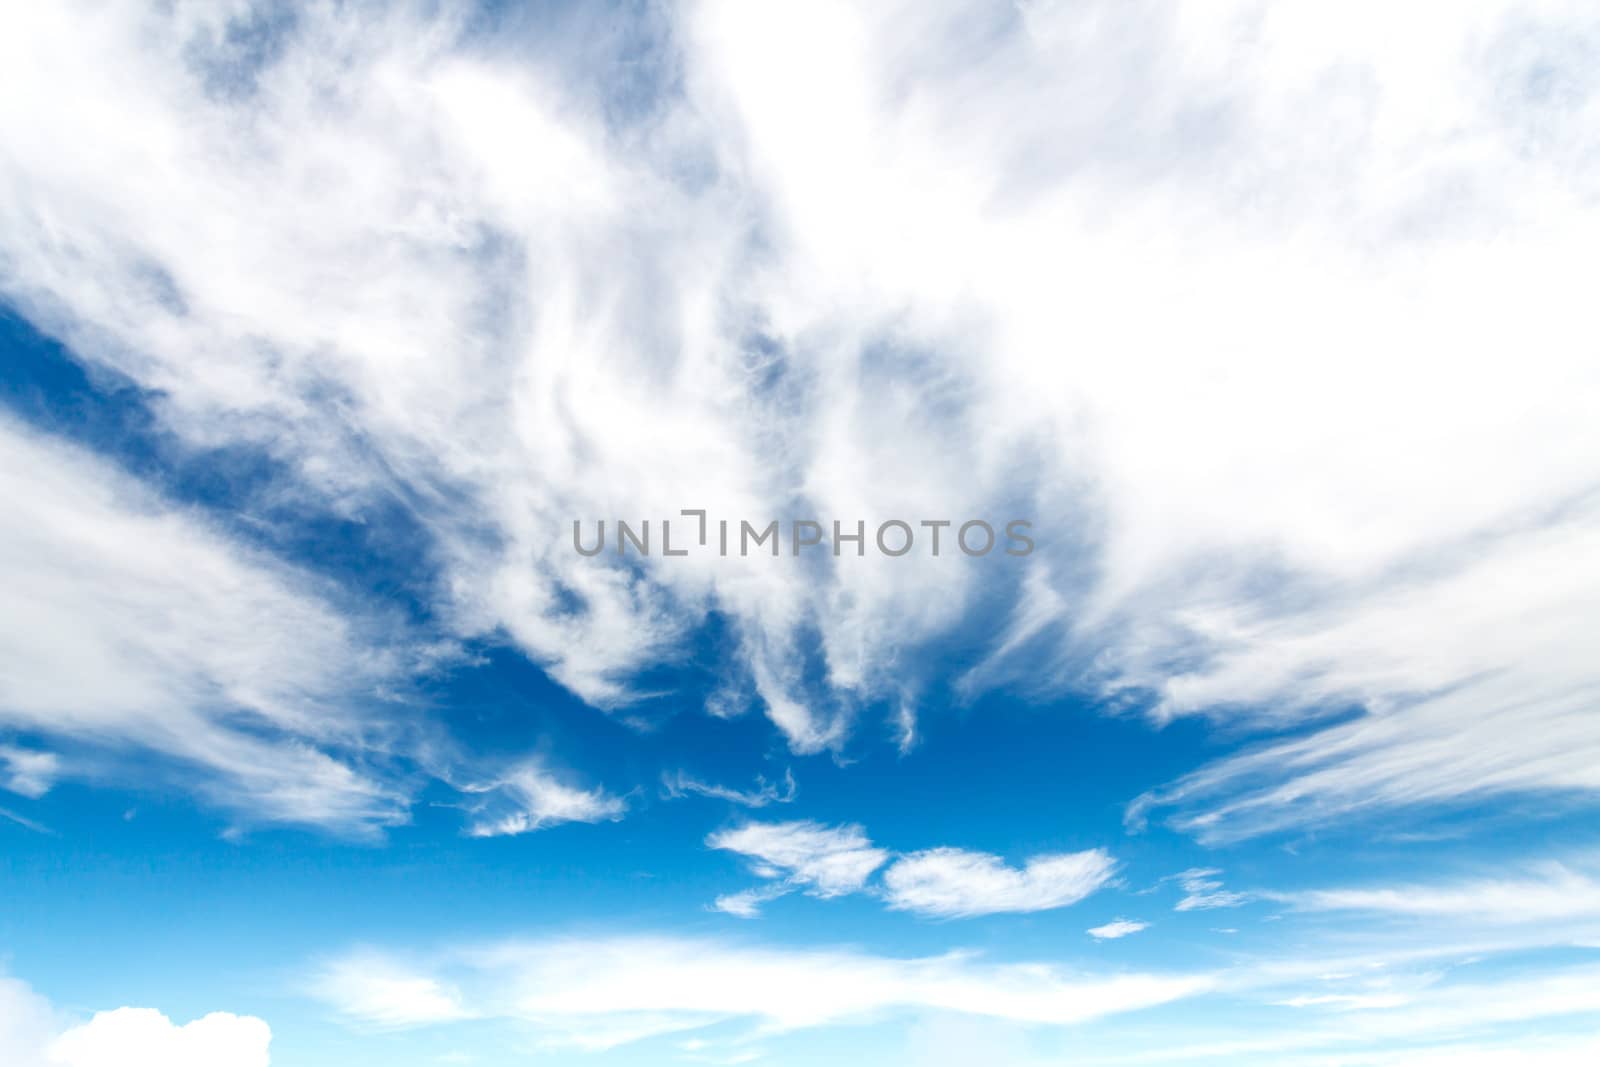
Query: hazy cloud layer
pixel 596 994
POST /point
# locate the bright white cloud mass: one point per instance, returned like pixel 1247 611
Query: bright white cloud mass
pixel 321 324
pixel 32 1034
pixel 1323 235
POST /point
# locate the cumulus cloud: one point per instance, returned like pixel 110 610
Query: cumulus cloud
pixel 140 1037
pixel 596 994
pixel 1266 315
pixel 955 883
pixel 34 1034
pixel 1117 928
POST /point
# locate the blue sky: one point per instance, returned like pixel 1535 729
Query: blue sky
pixel 321 326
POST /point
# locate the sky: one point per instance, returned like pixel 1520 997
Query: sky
pixel 1259 335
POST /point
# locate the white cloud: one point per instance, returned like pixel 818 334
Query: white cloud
pixel 34 1034
pixel 29 773
pixel 1283 306
pixel 1477 708
pixel 1557 1051
pixel 132 624
pixel 683 784
pixel 530 797
pixel 1547 893
pixel 1309 473
pixel 140 1037
pixel 1117 928
pixel 27 1023
pixel 746 904
pixel 955 883
pixel 943 882
pixel 447 320
pixel 1513 1015
pixel 23 821
pixel 599 993
pixel 132 621
pixel 1202 890
pixel 825 861
pixel 381 992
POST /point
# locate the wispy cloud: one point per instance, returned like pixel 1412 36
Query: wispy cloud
pixel 1469 709
pixel 825 861
pixel 130 620
pixel 1202 890
pixel 1542 893
pixel 23 821
pixel 682 784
